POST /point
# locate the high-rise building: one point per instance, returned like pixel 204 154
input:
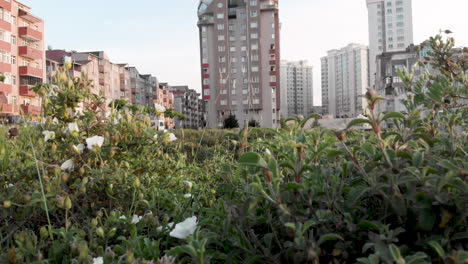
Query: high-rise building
pixel 22 59
pixel 345 78
pixel 186 102
pixel 240 60
pixel 296 89
pixel 390 29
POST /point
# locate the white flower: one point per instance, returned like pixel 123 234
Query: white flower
pixel 94 141
pixel 172 137
pixel 268 152
pixel 185 229
pixel 170 226
pixel 156 136
pixel 188 195
pixel 72 127
pixel 159 108
pixel 79 149
pixel 98 260
pixel 136 219
pixel 48 135
pixel 10 185
pixel 188 183
pixel 123 217
pixel 68 165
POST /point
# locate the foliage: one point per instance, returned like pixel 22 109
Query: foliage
pixel 231 122
pixel 289 195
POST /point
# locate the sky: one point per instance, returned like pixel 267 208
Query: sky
pixel 160 37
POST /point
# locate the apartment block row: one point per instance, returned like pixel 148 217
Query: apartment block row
pixel 188 102
pixel 22 59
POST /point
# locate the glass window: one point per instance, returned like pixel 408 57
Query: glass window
pixel 220 5
pixel 253 13
pixel 254 25
pixel 220 26
pixel 220 15
pixel 253 2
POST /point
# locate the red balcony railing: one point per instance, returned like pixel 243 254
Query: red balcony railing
pixel 29 109
pixel 5 88
pixel 8 109
pixel 5 25
pixel 28 16
pixel 31 71
pixel 5 46
pixel 24 90
pixel 29 52
pixel 30 34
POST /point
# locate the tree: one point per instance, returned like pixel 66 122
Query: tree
pixel 231 122
pixel 254 123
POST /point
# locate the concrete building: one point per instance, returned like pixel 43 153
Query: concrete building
pixel 296 89
pixel 345 78
pixel 164 97
pixel 22 59
pixel 240 60
pixel 186 102
pixel 390 29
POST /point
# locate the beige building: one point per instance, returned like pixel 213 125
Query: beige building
pixel 240 60
pixel 345 78
pixel 296 89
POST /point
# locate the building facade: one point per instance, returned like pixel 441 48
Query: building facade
pixel 345 78
pixel 296 89
pixel 186 102
pixel 240 60
pixel 390 29
pixel 164 97
pixel 22 59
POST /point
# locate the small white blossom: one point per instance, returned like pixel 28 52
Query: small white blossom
pixel 94 141
pixel 48 135
pixel 159 108
pixel 98 260
pixel 172 137
pixel 170 226
pixel 123 217
pixel 79 149
pixel 185 229
pixel 136 219
pixel 268 152
pixel 73 127
pixel 156 136
pixel 188 183
pixel 68 165
pixel 10 185
pixel 188 195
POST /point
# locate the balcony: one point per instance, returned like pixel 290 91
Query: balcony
pixel 29 109
pixel 30 71
pixel 28 16
pixel 271 5
pixel 5 5
pixel 24 90
pixel 5 67
pixel 5 88
pixel 8 109
pixel 29 34
pixel 29 52
pixel 5 25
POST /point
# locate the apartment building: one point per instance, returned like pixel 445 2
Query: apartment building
pixel 240 60
pixel 390 29
pixel 296 89
pixel 345 78
pixel 187 102
pixel 22 59
pixel 164 96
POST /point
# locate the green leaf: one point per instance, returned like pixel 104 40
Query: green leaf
pixel 395 251
pixel 436 246
pixel 418 158
pixel 393 115
pixel 253 159
pixel 329 237
pixel 359 121
pixel 426 219
pixel 418 258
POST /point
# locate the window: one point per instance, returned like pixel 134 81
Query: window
pixel 223 91
pixel 390 46
pixel 233 60
pixel 233 49
pixel 253 2
pixel 399 10
pixel 13 80
pixel 222 70
pixel 389 3
pixel 389 11
pixel 254 68
pixel 233 70
pixel 254 25
pixel 220 37
pixel 223 102
pixel 399 3
pixel 220 26
pixel 253 13
pixel 254 57
pixel 233 92
pixel 243 26
pixel 220 15
pixel 243 48
pixel 272 78
pixel 222 59
pixel 234 102
pixel 220 5
pixel 231 27
pixel 389 25
pixel 401 45
pixel 13 59
pixel 400 17
pixel 400 24
pixel 221 48
pixel 243 59
pixel 13 40
pixel 254 35
pixel 232 38
pixel 256 101
pixel 254 46
pixel 246 102
pixel 401 38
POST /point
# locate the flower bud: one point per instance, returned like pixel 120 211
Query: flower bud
pixel 94 222
pixel 136 183
pixel 7 204
pixel 99 213
pixel 68 203
pixel 100 232
pixel 53 148
pixel 43 231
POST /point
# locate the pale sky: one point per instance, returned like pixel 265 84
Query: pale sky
pixel 160 37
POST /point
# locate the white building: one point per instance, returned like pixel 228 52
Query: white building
pixel 296 89
pixel 390 29
pixel 345 78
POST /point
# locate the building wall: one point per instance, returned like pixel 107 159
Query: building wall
pixel 240 60
pixel 22 59
pixel 187 102
pixel 296 89
pixel 390 29
pixel 344 81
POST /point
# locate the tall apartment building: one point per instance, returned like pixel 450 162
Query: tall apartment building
pixel 240 60
pixel 164 97
pixel 345 78
pixel 390 29
pixel 296 89
pixel 22 59
pixel 186 102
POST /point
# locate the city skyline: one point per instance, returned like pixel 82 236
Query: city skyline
pixel 138 35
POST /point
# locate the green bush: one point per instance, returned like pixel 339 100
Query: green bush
pixel 85 188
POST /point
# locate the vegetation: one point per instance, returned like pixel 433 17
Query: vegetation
pixel 83 188
pixel 231 122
